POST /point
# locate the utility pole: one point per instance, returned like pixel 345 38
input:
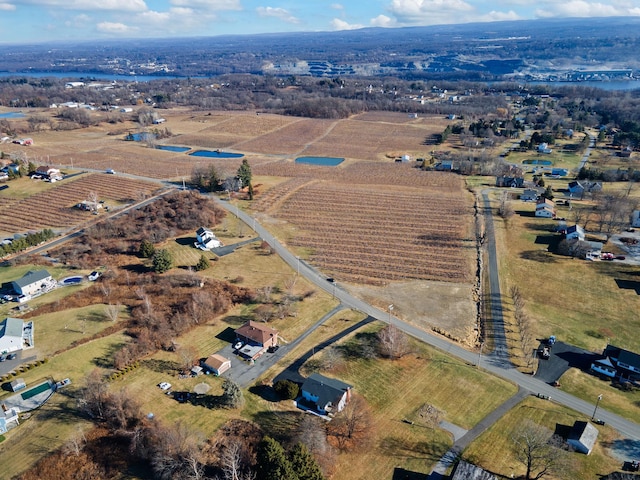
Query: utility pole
pixel 593 417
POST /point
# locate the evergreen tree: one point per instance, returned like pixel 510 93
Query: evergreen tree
pixel 272 461
pixel 146 249
pixel 203 263
pixel 304 463
pixel 244 173
pixel 214 179
pixel 162 261
pixel 232 395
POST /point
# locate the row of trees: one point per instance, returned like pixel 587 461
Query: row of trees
pixel 29 240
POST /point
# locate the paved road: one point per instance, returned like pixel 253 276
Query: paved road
pixel 587 152
pixel 497 338
pixel 494 365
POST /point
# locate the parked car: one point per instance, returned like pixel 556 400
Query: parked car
pixel 238 346
pixel 273 349
pixel 93 276
pixel 11 356
pixel 164 386
pixel 111 171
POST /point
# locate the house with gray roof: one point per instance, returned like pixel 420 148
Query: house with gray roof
pixel 583 437
pixel 15 335
pixel 325 395
pixel 32 283
pixel 468 471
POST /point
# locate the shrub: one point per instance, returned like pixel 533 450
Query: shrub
pixel 286 389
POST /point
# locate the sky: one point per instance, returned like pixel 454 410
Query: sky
pixel 38 21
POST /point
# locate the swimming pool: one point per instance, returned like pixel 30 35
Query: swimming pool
pixel 71 280
pixel 324 161
pixel 215 154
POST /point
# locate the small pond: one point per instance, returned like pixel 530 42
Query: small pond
pixel 12 115
pixel 537 162
pixel 173 148
pixel 324 161
pixel 216 154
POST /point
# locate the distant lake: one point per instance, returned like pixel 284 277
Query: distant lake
pixel 613 85
pixel 215 154
pixel 173 148
pixel 12 115
pixel 324 161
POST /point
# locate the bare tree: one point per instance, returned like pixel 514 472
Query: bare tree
pixel 393 342
pixel 112 311
pixel 537 449
pixel 351 427
pixel 331 358
pixel 76 444
pixel 232 464
pixel 506 208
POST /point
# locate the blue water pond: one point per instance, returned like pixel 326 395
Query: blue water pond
pixel 538 162
pixel 324 161
pixel 12 115
pixel 216 154
pixel 173 148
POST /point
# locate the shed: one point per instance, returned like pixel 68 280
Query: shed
pixel 583 437
pixel 216 364
pixel 468 471
pixel 18 384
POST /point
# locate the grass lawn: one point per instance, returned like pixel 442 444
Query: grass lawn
pixel 57 331
pixel 582 303
pixel 395 390
pixel 493 449
pixel 588 387
pixel 24 187
pixel 52 425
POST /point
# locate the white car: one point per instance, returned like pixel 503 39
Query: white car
pixel 164 386
pixel 93 276
pixel 238 346
pixel 111 171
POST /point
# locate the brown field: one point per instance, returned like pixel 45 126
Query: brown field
pixel 290 139
pixel 55 207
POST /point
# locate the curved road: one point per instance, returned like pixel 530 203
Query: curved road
pixel 493 364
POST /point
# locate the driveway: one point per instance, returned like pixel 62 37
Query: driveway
pixel 562 358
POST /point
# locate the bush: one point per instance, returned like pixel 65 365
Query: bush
pixel 286 389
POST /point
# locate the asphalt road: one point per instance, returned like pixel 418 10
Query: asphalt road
pixel 493 364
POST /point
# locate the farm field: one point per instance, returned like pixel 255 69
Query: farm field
pixel 55 206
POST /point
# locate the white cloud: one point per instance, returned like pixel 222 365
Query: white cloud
pixel 7 7
pixel 383 21
pixel 113 28
pixel 117 5
pixel 582 8
pixel 209 5
pixel 428 12
pixel 494 16
pixel 280 13
pixel 338 24
pixel 337 6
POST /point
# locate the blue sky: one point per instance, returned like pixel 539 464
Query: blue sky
pixel 23 21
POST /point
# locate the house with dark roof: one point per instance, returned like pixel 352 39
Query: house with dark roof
pixel 575 231
pixel 513 182
pixel 618 362
pixel 583 437
pixel 206 239
pixel 324 395
pixel 257 338
pixel 31 283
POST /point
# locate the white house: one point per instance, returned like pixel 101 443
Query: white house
pixel 575 231
pixel 325 395
pixel 216 364
pixel 206 239
pixel 15 335
pixel 583 437
pixel 635 219
pixel 51 173
pixel 31 283
pixel 544 148
pixel 9 419
pixel 545 212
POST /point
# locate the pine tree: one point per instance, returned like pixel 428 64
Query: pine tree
pixel 162 261
pixel 203 263
pixel 244 173
pixel 232 395
pixel 304 463
pixel 272 461
pixel 146 249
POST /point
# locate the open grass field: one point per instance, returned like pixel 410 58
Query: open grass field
pixel 542 412
pixel 425 376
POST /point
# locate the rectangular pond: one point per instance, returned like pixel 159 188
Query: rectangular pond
pixel 324 161
pixel 12 115
pixel 173 148
pixel 215 154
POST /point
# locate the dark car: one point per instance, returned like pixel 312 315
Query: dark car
pixel 11 356
pixel 273 349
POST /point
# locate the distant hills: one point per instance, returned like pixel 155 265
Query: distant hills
pixel 551 49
